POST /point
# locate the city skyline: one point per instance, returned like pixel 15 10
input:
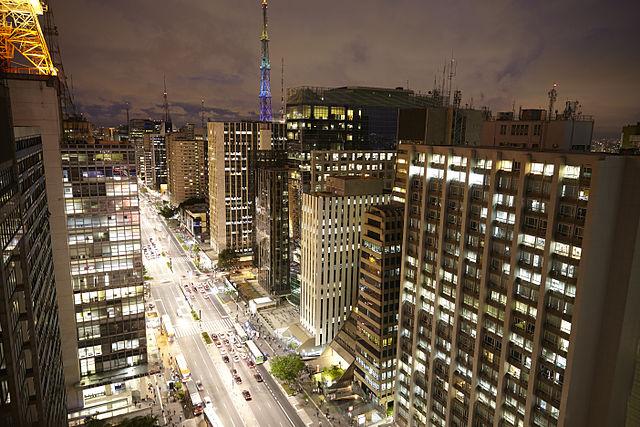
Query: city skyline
pixel 351 46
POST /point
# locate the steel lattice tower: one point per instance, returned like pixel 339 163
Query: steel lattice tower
pixel 266 114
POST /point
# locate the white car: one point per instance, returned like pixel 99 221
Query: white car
pixel 207 402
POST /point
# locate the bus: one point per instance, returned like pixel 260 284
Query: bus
pixel 241 335
pixel 254 351
pixel 167 327
pixel 211 417
pixel 197 403
pixel 185 373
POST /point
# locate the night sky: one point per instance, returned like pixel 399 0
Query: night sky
pixel 506 51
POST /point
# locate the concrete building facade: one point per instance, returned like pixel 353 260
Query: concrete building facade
pixel 532 130
pixel 232 180
pixel 35 103
pixel 186 167
pixel 518 299
pixel 32 389
pixel 376 310
pixel 331 236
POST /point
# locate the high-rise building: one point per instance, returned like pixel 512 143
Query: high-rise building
pixel 441 125
pixel 630 139
pixel 271 253
pixel 348 118
pixel 103 218
pixel 518 287
pixel 533 129
pixel 376 311
pixel 149 137
pixel 35 103
pixel 232 180
pixel 32 390
pixel 186 166
pixel 331 236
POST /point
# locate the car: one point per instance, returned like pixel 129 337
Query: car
pixel 258 378
pixel 234 372
pixel 223 351
pixel 205 296
pixel 199 385
pixel 237 379
pixel 207 402
pixel 227 343
pixel 243 356
pixel 251 364
pixel 236 358
pixel 246 394
pixel 225 359
pixel 218 344
pixel 222 335
pixel 214 337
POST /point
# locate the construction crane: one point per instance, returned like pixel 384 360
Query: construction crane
pixel 22 44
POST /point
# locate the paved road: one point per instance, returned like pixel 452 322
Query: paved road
pixel 268 407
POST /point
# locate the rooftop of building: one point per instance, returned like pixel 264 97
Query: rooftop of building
pixel 197 208
pixel 356 185
pixel 359 96
pixel 492 152
pixel 389 210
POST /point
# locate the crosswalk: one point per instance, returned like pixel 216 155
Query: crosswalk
pixel 196 328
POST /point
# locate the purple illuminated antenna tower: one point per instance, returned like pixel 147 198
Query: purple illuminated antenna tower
pixel 265 71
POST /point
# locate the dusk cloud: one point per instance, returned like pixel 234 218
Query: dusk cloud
pixel 507 52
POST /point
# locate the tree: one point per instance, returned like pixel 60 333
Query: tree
pixel 94 422
pixel 287 368
pixel 227 258
pixel 140 421
pixel 167 211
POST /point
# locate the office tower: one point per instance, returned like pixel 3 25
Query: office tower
pixel 630 139
pixel 35 102
pixel 186 168
pixel 329 251
pixel 445 125
pixel 348 118
pixel 31 379
pixel 518 297
pixel 376 311
pixel 101 203
pixel 271 253
pixel 232 180
pixel 534 129
pixel 149 139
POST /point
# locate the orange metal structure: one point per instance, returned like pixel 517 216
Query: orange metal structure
pixel 22 45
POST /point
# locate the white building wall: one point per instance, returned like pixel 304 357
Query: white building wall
pixel 330 244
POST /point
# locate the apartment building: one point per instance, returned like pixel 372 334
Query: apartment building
pixel 31 379
pixel 376 310
pixel 186 167
pixel 232 180
pixel 518 305
pixel 331 236
pixel 103 220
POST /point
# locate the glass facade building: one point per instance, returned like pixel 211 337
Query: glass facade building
pixel 103 219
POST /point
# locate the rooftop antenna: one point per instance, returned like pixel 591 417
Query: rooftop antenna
pixel 202 113
pixel 167 118
pixel 452 74
pixel 126 106
pixel 553 95
pixel 283 102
